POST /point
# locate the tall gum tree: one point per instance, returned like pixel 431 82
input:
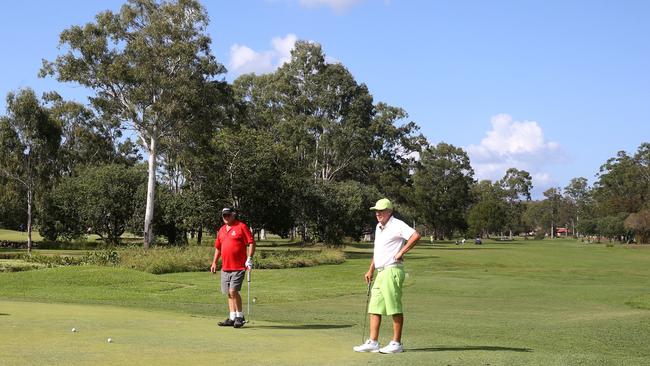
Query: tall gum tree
pixel 30 138
pixel 149 65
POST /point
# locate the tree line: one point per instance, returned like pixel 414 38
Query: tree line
pixel 164 142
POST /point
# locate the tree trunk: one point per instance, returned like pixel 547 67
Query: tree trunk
pixel 29 220
pixel 199 235
pixel 151 191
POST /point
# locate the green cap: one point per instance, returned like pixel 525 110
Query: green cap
pixel 382 204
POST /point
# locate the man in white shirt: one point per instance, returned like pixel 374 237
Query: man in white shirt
pixel 386 292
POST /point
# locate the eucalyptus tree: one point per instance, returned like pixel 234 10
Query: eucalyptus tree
pixel 489 213
pixel 30 138
pixel 149 65
pixel 335 131
pixel 442 184
pixel 516 185
pixel 579 194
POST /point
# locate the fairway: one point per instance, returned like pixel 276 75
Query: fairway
pixel 518 303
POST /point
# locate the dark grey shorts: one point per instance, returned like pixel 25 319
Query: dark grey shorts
pixel 232 280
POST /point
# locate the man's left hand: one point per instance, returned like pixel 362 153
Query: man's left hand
pixel 249 263
pixel 399 257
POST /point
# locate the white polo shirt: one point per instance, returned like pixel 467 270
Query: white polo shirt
pixel 389 239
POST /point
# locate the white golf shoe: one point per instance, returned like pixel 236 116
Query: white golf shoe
pixel 393 347
pixel 369 346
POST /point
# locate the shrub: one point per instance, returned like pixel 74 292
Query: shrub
pixel 159 260
pixel 15 265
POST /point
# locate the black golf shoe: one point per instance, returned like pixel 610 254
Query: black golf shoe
pixel 239 322
pixel 227 323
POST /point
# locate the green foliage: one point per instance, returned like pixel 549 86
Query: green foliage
pixel 18 265
pixel 100 200
pixel 623 184
pixel 97 258
pixel 297 258
pixel 160 260
pixel 151 68
pixel 490 212
pixel 611 226
pixel 335 210
pixel 442 182
pixel 30 138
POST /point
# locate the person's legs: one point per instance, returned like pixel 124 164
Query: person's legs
pixel 398 324
pixel 225 289
pixel 234 300
pixel 392 292
pixel 232 303
pixel 375 323
pixel 376 308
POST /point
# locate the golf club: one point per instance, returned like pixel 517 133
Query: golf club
pixel 365 313
pixel 248 296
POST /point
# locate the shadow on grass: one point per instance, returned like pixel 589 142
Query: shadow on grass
pixel 303 326
pixel 468 348
pixel 3 314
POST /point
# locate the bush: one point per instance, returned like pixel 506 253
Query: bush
pixel 97 258
pixel 16 265
pixel 299 258
pixel 159 260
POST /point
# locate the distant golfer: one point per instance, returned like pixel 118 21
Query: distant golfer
pixel 233 238
pixel 386 292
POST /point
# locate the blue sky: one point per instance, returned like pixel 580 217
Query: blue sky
pixel 553 87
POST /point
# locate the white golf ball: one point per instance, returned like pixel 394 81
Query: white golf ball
pixel 254 300
pixel 74 330
pixel 109 340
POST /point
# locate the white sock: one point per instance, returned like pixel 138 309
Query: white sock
pixel 232 315
pixel 239 314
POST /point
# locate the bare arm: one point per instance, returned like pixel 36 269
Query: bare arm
pixel 409 244
pixel 371 271
pixel 217 254
pixel 251 249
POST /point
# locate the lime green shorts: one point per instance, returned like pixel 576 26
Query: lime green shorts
pixel 386 293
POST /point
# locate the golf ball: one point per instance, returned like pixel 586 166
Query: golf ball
pixel 254 300
pixel 109 340
pixel 74 330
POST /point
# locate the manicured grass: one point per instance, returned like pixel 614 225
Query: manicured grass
pixel 516 303
pixel 18 236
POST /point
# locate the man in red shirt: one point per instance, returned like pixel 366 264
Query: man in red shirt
pixel 233 238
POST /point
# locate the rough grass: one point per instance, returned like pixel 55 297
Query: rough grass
pixel 17 265
pixel 159 260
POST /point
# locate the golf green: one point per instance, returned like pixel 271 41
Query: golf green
pixel 517 303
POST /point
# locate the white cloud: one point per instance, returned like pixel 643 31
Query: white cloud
pixel 515 144
pixel 244 60
pixel 338 6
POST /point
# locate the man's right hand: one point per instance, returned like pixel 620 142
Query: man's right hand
pixel 368 276
pixel 213 268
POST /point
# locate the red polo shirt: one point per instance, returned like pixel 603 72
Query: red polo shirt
pixel 232 243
